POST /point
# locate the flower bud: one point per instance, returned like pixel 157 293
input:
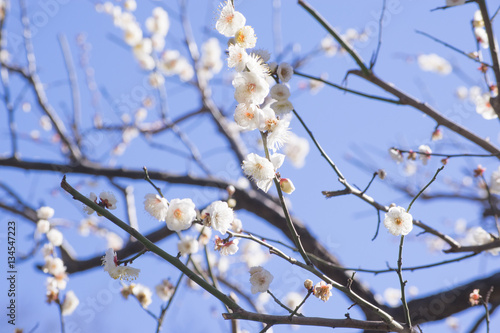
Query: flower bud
pixel 231 203
pixel 286 185
pixel 230 190
pixel 308 284
pixel 437 135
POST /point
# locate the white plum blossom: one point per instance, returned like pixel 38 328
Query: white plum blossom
pixel 165 290
pixel 181 214
pixel 210 60
pixel 495 182
pixel 70 303
pixel 482 37
pixel 293 299
pixel 205 233
pixel 256 65
pixel 156 206
pixel 114 241
pixel 483 106
pixel 226 248
pixel 329 46
pixel 45 123
pixel 434 63
pixel 218 216
pixel 482 237
pixel 187 245
pixel 478 21
pixel 261 169
pixel 425 153
pixel 110 263
pixel 159 23
pixel 250 88
pixel 132 34
pixel 280 92
pixel 155 80
pixel 285 72
pixel 260 279
pixel 398 221
pixel 230 20
pixel 54 266
pixel 92 196
pixel 108 200
pixel 282 107
pixel 296 149
pixel 42 227
pixel 396 155
pixel 263 54
pixel 277 129
pixel 245 37
pixel 57 282
pixel 143 295
pixel 322 291
pixel 247 116
pixel 392 296
pixel 237 225
pixel 130 5
pixel 144 47
pixel 45 213
pixel 237 57
pixel 253 254
pixel 55 237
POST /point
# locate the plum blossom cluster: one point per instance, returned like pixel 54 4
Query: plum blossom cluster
pixel 480 99
pixel 424 154
pixel 260 107
pixel 44 227
pixel 180 214
pixel 321 290
pixel 148 45
pixel 54 266
pixel 142 293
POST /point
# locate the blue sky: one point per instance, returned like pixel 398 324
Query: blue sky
pixel 352 131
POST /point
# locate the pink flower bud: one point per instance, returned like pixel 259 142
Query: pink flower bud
pixel 287 185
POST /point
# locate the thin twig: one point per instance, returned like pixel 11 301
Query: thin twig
pixel 316 143
pixel 379 44
pixel 291 227
pixel 425 187
pixel 355 92
pixel 456 49
pixel 73 81
pixel 402 283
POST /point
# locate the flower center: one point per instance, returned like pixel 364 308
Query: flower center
pixel 398 221
pixel 249 115
pixel 251 87
pixel 178 213
pixel 229 18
